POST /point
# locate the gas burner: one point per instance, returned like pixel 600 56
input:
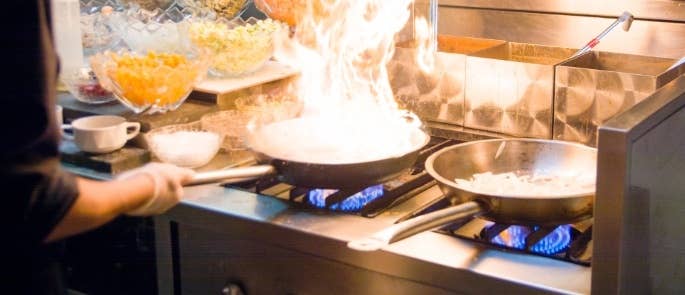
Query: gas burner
pixel 367 202
pixel 353 203
pixel 546 243
pixel 372 200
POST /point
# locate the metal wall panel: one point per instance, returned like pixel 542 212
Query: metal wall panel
pixel 510 89
pixel 439 95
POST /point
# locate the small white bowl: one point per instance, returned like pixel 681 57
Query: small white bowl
pixel 184 145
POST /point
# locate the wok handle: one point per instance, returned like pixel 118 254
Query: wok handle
pixel 416 225
pixel 232 175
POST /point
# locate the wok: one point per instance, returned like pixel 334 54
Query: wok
pixel 352 175
pixel 498 156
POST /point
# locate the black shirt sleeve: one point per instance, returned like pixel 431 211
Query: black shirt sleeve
pixel 39 196
pixel 37 193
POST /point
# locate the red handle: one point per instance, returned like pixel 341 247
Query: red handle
pixel 592 43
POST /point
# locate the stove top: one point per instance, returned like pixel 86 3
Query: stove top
pixel 571 243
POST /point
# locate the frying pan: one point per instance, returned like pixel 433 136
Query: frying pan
pixel 356 175
pixel 499 156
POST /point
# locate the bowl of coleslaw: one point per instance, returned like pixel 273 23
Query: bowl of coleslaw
pixel 236 47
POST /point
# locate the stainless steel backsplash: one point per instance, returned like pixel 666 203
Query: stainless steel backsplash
pixel 473 90
pixel 658 29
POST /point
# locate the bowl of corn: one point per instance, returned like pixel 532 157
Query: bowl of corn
pixel 151 82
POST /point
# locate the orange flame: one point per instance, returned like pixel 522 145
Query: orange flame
pixel 341 48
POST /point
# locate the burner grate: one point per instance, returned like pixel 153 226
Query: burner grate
pixel 571 243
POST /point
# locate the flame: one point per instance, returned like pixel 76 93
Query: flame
pixel 427 41
pixel 341 48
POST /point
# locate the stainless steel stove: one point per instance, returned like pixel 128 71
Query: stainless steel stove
pixel 270 238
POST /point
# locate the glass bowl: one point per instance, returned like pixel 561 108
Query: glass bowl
pixel 184 145
pixel 151 82
pixel 159 30
pixel 149 4
pixel 293 11
pixel 227 9
pixel 288 11
pixel 236 47
pixel 232 125
pixel 97 33
pixel 83 84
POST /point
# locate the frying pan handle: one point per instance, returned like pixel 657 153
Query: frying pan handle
pixel 416 225
pixel 232 175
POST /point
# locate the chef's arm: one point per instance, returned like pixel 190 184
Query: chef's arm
pixel 148 190
pixel 100 202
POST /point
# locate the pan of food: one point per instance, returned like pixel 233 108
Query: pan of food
pixel 512 181
pixel 345 155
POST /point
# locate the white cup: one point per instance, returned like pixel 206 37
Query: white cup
pixel 101 134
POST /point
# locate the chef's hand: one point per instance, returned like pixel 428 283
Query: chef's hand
pixel 168 187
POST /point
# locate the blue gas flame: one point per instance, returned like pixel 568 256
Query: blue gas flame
pixel 515 237
pixel 354 203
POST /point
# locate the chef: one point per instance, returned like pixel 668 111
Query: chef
pixel 41 203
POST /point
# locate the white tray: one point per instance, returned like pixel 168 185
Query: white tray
pixel 271 71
